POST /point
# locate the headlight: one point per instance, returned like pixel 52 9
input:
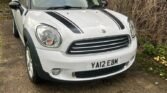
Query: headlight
pixel 48 36
pixel 132 28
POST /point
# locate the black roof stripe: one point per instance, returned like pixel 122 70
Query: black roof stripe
pixel 71 25
pixel 118 22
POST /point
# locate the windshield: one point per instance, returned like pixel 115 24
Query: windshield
pixel 66 4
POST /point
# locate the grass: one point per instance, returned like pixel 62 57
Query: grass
pixel 152 58
pixel 149 65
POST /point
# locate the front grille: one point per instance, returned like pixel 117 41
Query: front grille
pixel 99 45
pixel 100 72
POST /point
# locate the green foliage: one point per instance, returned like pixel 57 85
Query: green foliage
pixel 154 59
pixel 149 49
pixel 161 50
pixel 152 50
pixel 148 64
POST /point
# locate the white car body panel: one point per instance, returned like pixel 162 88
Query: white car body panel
pixel 91 22
pixel 70 64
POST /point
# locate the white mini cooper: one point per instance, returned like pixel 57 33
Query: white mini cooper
pixel 73 40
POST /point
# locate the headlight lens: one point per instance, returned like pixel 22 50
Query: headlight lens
pixel 132 28
pixel 48 36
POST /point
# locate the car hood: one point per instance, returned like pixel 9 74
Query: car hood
pixel 88 20
pixel 93 23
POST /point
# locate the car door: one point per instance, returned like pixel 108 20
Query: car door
pixel 19 16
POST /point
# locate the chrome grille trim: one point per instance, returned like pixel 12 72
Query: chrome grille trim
pixel 98 45
pixel 107 41
pixel 97 49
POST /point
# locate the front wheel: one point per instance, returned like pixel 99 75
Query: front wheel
pixel 32 72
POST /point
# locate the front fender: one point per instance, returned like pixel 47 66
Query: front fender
pixel 35 57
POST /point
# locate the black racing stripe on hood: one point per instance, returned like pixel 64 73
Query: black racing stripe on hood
pixel 118 22
pixel 71 25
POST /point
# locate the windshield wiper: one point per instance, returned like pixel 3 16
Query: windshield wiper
pixel 63 7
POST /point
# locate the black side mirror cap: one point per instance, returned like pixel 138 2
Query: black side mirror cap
pixel 104 3
pixel 14 5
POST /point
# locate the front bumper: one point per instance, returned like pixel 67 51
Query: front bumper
pixel 69 64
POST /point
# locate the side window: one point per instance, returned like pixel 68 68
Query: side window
pixel 23 2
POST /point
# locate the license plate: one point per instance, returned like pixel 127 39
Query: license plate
pixel 104 64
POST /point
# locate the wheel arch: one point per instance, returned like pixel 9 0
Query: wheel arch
pixel 35 57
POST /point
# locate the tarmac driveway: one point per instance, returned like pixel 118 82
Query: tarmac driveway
pixel 14 79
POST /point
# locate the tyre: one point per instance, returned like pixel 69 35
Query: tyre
pixel 15 31
pixel 32 72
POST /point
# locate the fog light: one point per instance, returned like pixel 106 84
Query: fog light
pixel 56 71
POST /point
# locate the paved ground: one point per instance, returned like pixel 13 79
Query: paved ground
pixel 13 76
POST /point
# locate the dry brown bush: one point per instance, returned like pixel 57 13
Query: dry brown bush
pixel 150 17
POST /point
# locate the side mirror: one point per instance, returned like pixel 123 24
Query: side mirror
pixel 14 5
pixel 104 3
